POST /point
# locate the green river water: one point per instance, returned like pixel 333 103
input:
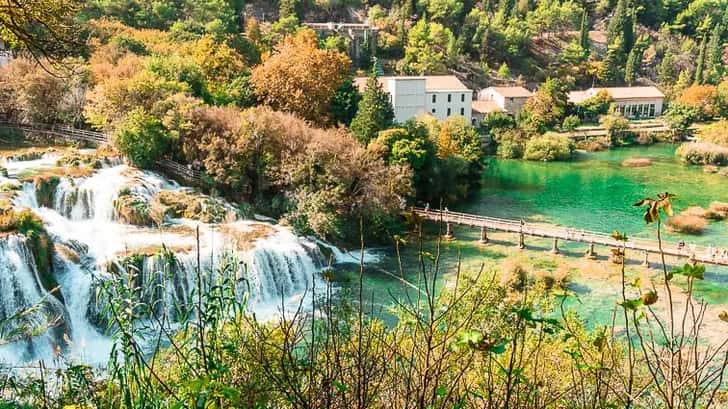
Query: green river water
pixel 593 192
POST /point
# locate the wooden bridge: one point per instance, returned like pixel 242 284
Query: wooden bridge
pixel 94 138
pixel 692 253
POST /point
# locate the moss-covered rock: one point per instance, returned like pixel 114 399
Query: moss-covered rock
pixel 132 209
pixel 3 172
pixel 105 155
pixel 177 204
pixel 45 189
pixel 24 222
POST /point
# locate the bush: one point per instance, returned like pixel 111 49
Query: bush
pixel 686 223
pixel 142 138
pixel 570 123
pixel 703 153
pixel 549 147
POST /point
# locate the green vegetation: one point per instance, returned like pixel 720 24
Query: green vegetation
pixel 549 147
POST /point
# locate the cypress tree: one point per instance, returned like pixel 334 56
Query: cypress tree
pixel 584 32
pixel 615 29
pixel 634 61
pixel 375 111
pixel 714 62
pixel 666 70
pixel 700 64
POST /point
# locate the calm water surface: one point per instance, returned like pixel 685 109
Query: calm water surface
pixel 593 192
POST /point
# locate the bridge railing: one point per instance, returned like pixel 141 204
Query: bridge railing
pixel 568 233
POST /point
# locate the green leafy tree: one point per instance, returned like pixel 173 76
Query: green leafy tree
pixel 621 27
pixel 344 104
pixel 504 72
pixel 679 117
pixel 448 12
pixel 142 138
pixel 44 28
pixel 428 49
pixel 611 69
pixel 375 112
pixel 290 8
pixel 546 108
pixel 616 126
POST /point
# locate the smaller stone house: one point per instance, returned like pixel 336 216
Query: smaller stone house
pixel 509 99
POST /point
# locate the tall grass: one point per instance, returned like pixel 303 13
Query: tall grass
pixel 474 343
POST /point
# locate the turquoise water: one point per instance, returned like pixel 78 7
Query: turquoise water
pixel 594 192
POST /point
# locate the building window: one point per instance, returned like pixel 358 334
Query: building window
pixel 449 97
pixel 652 109
pixel 434 98
pixel 448 111
pixel 462 111
pixel 434 110
pixel 462 97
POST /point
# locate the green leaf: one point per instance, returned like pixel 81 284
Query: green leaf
pixel 340 386
pixel 631 305
pixel 441 391
pixel 696 271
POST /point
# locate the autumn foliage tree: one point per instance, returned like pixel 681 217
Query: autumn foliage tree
pixel 702 98
pixel 301 78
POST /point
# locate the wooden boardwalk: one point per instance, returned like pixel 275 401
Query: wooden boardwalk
pixel 688 252
pixel 95 138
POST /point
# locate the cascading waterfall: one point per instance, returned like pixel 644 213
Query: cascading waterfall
pixel 91 243
pixel 21 289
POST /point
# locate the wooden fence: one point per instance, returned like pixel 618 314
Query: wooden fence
pixel 174 169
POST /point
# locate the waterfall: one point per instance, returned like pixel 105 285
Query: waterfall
pixel 21 289
pixel 91 242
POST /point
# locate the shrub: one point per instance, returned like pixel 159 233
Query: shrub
pixel 703 153
pixel 142 138
pixel 549 147
pixel 570 123
pixel 685 223
pixel 510 143
pixel 716 133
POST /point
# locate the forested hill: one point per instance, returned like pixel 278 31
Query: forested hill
pixel 604 41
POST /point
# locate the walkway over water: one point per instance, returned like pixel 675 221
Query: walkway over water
pixel 698 254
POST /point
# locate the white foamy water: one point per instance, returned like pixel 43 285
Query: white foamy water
pixel 279 267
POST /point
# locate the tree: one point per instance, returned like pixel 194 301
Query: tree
pixel 621 27
pixel 289 8
pixel 142 138
pixel 504 72
pixel 447 12
pixel 345 103
pixel 546 108
pixel 700 64
pixel 679 117
pixel 375 111
pixel 666 70
pixel 615 125
pixel 702 98
pixel 714 62
pixel 595 106
pixel 428 49
pixel 301 78
pixel 584 31
pixel 611 71
pixel 44 28
pixel 634 60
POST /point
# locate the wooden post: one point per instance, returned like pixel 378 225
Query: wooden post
pixel 591 253
pixel 483 235
pixel 448 231
pixel 555 249
pixel 521 242
pixel 646 261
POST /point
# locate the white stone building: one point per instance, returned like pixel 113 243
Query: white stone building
pixel 441 96
pixel 5 55
pixel 632 102
pixel 509 99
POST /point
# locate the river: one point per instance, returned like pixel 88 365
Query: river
pixel 593 192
